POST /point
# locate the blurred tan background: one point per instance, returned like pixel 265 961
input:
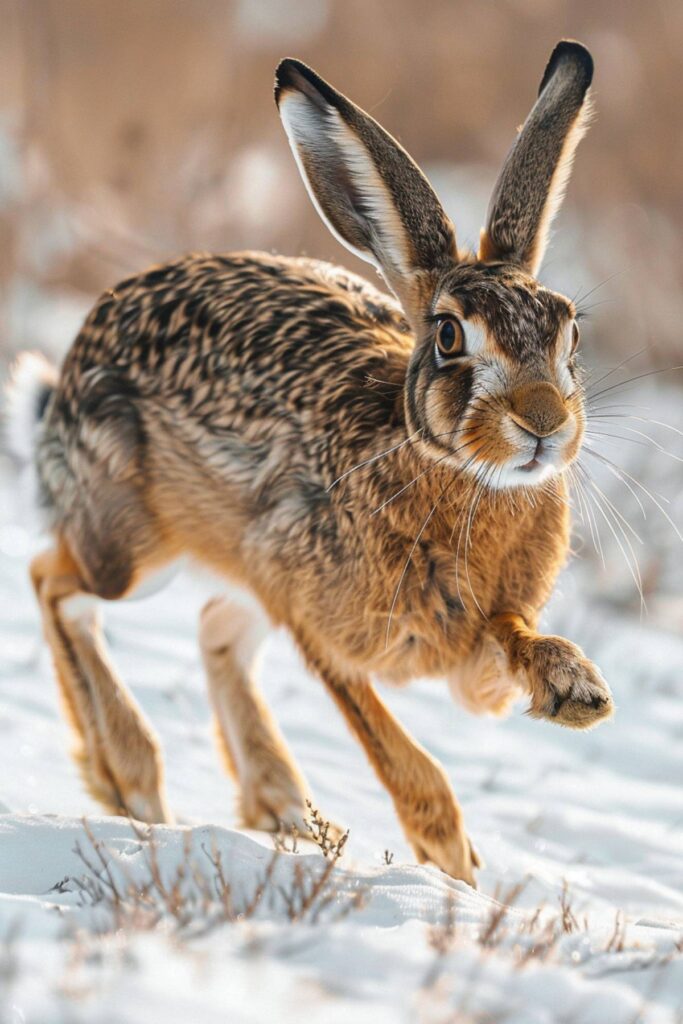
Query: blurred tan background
pixel 131 130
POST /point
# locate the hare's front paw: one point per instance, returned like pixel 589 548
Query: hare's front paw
pixel 565 686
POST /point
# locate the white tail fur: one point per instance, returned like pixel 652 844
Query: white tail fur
pixel 32 379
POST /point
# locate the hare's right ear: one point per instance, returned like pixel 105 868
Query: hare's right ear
pixel 532 182
pixel 369 192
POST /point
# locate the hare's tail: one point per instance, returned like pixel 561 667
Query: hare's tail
pixel 31 384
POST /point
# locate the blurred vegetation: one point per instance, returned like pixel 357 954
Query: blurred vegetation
pixel 136 129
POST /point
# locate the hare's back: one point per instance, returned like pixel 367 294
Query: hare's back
pixel 211 394
pixel 204 328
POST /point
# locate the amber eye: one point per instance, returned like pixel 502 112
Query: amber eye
pixel 576 334
pixel 450 337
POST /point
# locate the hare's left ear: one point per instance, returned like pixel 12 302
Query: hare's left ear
pixel 366 188
pixel 533 179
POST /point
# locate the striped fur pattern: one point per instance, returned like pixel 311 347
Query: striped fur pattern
pixel 399 508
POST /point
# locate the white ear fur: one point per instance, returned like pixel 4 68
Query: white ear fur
pixel 534 177
pixel 375 196
pixel 559 182
pixel 323 131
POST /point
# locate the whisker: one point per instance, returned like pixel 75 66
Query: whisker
pixel 640 419
pixel 583 312
pixel 589 450
pixel 632 380
pixel 496 401
pixel 634 568
pixel 373 458
pixel 618 437
pixel 616 511
pixel 619 366
pixel 613 469
pixel 550 490
pixel 378 380
pixel 619 470
pixel 601 284
pixel 594 519
pixel 468 536
pixel 475 492
pixel 590 519
pixel 621 405
pixel 424 473
pixel 410 483
pixel 410 556
pixel 640 433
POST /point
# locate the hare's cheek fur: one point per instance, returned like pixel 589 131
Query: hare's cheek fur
pixel 440 411
pixel 467 423
pixel 461 420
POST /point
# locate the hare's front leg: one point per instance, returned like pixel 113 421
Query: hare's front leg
pixel 425 803
pixel 272 790
pixel 565 686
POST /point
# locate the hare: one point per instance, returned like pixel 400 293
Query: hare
pixel 384 474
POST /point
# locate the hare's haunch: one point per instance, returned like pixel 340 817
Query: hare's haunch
pixel 385 475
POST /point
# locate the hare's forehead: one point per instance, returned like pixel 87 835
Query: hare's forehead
pixel 516 312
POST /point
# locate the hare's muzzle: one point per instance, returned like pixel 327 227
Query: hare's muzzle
pixel 538 409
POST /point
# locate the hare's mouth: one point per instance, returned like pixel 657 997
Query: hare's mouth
pixel 539 468
pixel 530 468
pixel 545 456
pixel 531 460
pixel 537 459
pixel 544 460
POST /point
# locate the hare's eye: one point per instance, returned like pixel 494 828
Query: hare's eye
pixel 450 337
pixel 576 334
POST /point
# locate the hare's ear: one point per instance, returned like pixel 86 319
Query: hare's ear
pixel 366 188
pixel 534 176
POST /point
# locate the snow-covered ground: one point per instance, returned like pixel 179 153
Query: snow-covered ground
pixel 590 826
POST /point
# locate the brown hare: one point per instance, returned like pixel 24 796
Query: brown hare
pixel 384 474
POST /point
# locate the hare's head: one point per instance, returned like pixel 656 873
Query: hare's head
pixel 492 386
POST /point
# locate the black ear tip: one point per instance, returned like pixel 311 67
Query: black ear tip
pixel 292 74
pixel 286 75
pixel 569 52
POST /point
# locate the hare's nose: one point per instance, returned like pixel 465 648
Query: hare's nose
pixel 538 408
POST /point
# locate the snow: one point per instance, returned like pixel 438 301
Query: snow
pixel 596 816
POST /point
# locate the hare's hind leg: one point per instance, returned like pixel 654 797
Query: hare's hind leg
pixel 424 800
pixel 272 792
pixel 117 751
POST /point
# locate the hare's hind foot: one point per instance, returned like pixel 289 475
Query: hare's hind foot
pixel 116 750
pixel 565 687
pixel 272 793
pixel 128 802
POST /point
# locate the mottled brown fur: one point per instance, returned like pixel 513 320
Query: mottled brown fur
pixel 288 425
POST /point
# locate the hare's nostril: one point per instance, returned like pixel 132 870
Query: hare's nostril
pixel 538 428
pixel 523 425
